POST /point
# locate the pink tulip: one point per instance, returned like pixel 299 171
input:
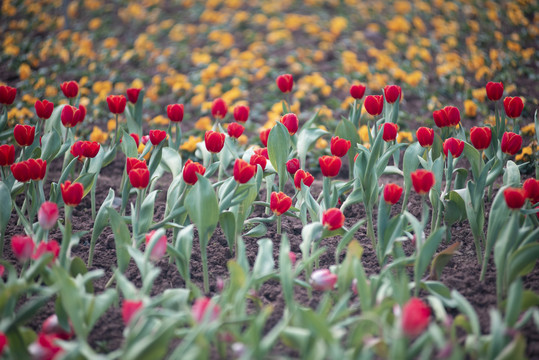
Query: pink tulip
pixel 205 308
pixel 323 280
pixel 47 215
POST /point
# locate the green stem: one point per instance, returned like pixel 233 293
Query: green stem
pixel 178 136
pixel 66 240
pixel 116 130
pixel 326 188
pixel 138 202
pixel 204 256
pixel 279 219
pixel 269 188
pixel 370 227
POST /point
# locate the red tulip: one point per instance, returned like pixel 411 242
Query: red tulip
pixel 37 169
pixel 323 280
pixel 219 108
pixel 263 152
pixel 241 113
pixel 292 166
pixel 235 130
pixel 425 136
pixel 7 94
pixel 292 257
pixel 47 247
pixel 531 186
pixel 280 203
pixel 160 247
pixel 175 112
pixel 290 121
pixel 45 347
pixel 214 141
pixel 390 131
pixel 51 326
pixel 415 317
pixel 71 116
pixel 190 171
pixel 133 94
pixel 448 116
pixel 374 104
pixel 333 219
pixel 44 109
pixel 392 93
pixel 47 215
pixel 456 147
pixel 156 136
pixel 2 269
pixel 70 89
pixel 285 83
pixel 480 137
pixel 264 135
pixel 88 149
pixel 137 139
pixel 22 247
pixel 514 197
pixel 511 143
pixel 72 193
pixel 357 91
pixel 330 165
pixel 129 309
pixel 392 193
pixel 422 180
pixel 7 155
pixel 339 147
pixel 139 178
pixel 302 176
pixel 3 339
pixel 24 134
pixel 21 171
pixel 134 163
pixel 494 90
pixel 257 159
pixel 243 171
pixel 205 309
pixel 513 106
pixel 116 103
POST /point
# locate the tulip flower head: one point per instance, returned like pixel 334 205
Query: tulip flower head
pixel 45 347
pixel 243 171
pixel 257 159
pixel 190 171
pixel 139 178
pixel 513 106
pixel 205 309
pixel 280 203
pixel 480 137
pixel 302 176
pixel 514 197
pixel 7 155
pixel 292 166
pixel 333 219
pixel 3 341
pixel 531 186
pixel 339 147
pixel 24 134
pixel 415 317
pixel 72 193
pixel 22 247
pixel 390 132
pixel 219 108
pixel 455 146
pixel 51 326
pixel 374 104
pixel 160 247
pixel 264 134
pixel 51 246
pixel 392 193
pixel 241 113
pixel 290 121
pixel 156 136
pixel 134 163
pixel 85 149
pixel 175 112
pixel 235 130
pixel 285 83
pixel 323 280
pixel 70 89
pixel 71 116
pixel 133 94
pixel 446 117
pixel 129 309
pixel 44 109
pixel 494 90
pixel 425 136
pixel 330 165
pixel 392 93
pixel 7 94
pixel 422 180
pixel 214 141
pixel 357 91
pixel 116 103
pixel 263 152
pixel 48 215
pixel 511 143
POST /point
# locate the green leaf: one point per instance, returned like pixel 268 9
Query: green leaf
pixel 77 267
pixel 128 145
pixel 522 261
pixel 455 208
pixel 51 145
pixel 264 260
pixel 426 253
pixel 511 176
pixel 306 140
pixel 473 156
pixel 278 145
pixel 346 130
pixel 146 213
pixel 122 239
pixel 171 161
pixel 464 306
pixel 202 206
pixel 514 303
pixel 441 260
pixel 227 219
pixel 101 221
pixel 257 231
pixel 5 209
pixel 87 180
pixel 285 272
pixel 72 301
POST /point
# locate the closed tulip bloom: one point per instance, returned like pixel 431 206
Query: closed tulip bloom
pixel 357 91
pixel 134 163
pixel 390 131
pixel 280 203
pixel 48 215
pixel 511 143
pixel 139 178
pixel 263 152
pixel 156 136
pixel 513 106
pixel 292 166
pixel 129 309
pixel 72 193
pixel 425 136
pixel 333 219
pixel 264 134
pixel 190 171
pixel 160 247
pixel 323 280
pixel 374 104
pixel 71 116
pixel 7 94
pixel 285 83
pixel 219 108
pixel 480 137
pixel 7 155
pixel 392 193
pixel 22 247
pixel 204 308
pixel 24 134
pixel 137 139
pixel 514 197
pixel 20 171
pixel 531 186
pixel 116 103
pixel 175 112
pixel 51 326
pixel 422 180
pixel 37 169
pixel 70 89
pixel 302 176
pixel 88 149
pixel 241 113
pixel 448 116
pixel 339 147
pixel 257 159
pixel 51 246
pixel 133 94
pixel 392 93
pixel 330 165
pixel 456 147
pixel 235 130
pixel 214 141
pixel 290 121
pixel 243 171
pixel 415 317
pixel 494 90
pixel 3 337
pixel 44 109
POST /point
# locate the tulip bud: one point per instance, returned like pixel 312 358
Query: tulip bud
pixel 160 247
pixel 285 83
pixel 374 104
pixel 7 94
pixel 133 94
pixel 323 280
pixel 24 134
pixel 48 215
pixel 446 117
pixel 339 147
pixel 70 89
pixel 116 103
pixel 415 317
pixel 390 132
pixel 20 171
pixel 511 143
pixel 292 257
pixel 137 139
pixel 243 171
pixel 205 309
pixel 51 326
pixel 22 247
pixel 280 203
pixel 47 247
pixel 235 130
pixel 494 90
pixel 258 160
pixel 134 163
pixel 290 121
pixel 392 93
pixel 333 219
pixel 44 109
pixel 422 180
pixel 139 178
pixel 531 186
pixel 190 171
pixel 302 176
pixel 292 166
pixel 514 198
pixel 262 152
pixel 175 112
pixel 330 165
pixel 7 155
pixel 45 347
pixel 480 137
pixel 156 136
pixel 392 193
pixel 129 309
pixel 3 341
pixel 214 141
pixel 456 147
pixel 264 134
pixel 72 193
pixel 219 108
pixel 425 136
pixel 357 91
pixel 71 116
pixel 513 106
pixel 241 113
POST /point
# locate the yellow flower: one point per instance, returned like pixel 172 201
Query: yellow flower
pixel 111 125
pixel 98 135
pixel 204 124
pixel 24 71
pixel 160 120
pixel 191 144
pixel 470 108
pixel 528 130
pixel 321 144
pixel 364 134
pixel 243 139
pixel 526 151
pixel 140 149
pixel 405 136
pixel 94 24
